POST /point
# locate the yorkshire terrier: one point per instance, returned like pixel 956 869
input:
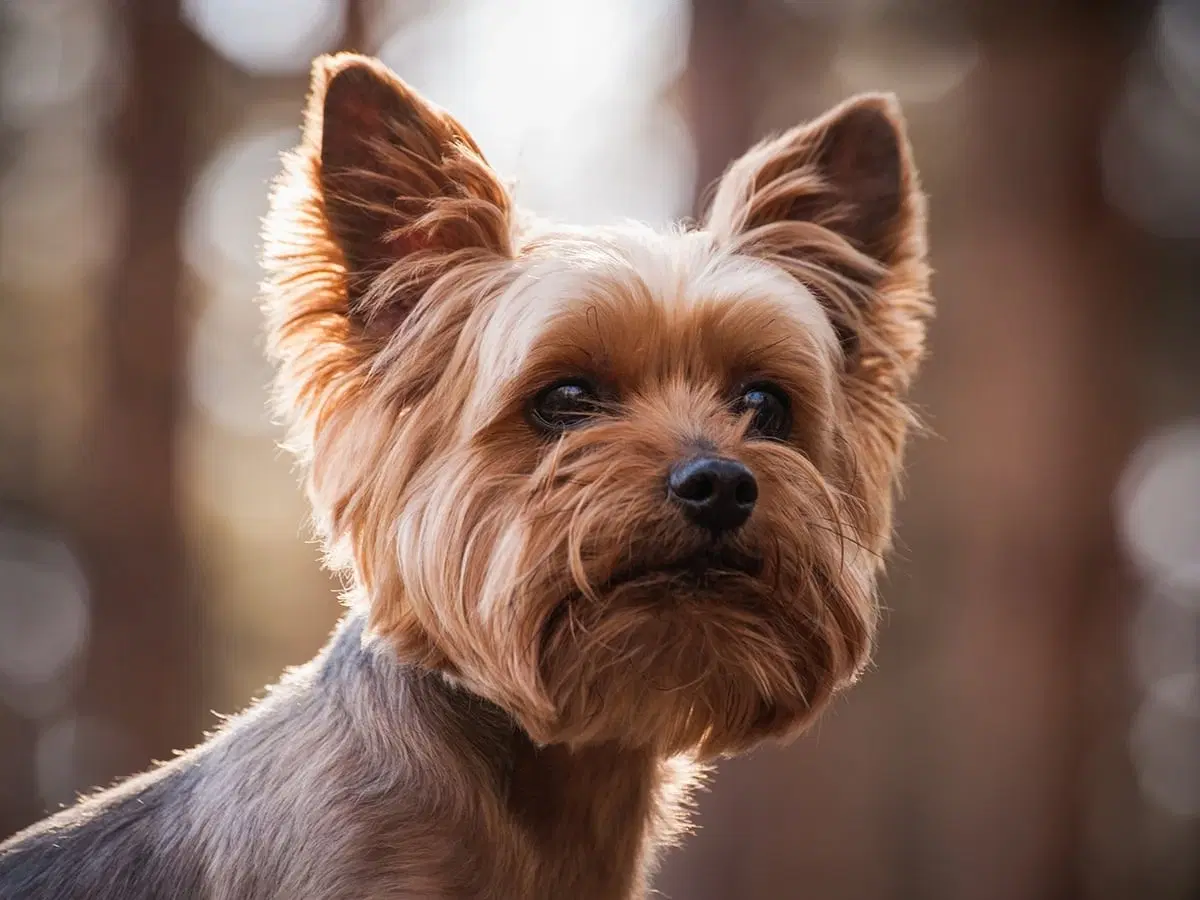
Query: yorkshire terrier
pixel 610 504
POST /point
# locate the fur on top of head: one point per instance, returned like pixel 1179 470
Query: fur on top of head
pixel 417 326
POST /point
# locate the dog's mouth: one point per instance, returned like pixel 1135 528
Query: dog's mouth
pixel 658 589
pixel 695 568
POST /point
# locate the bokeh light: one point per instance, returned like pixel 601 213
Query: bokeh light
pixel 268 36
pixel 61 54
pixel 566 98
pixel 1166 744
pixel 228 201
pixel 1154 138
pixel 1159 505
pixel 1158 502
pixel 44 619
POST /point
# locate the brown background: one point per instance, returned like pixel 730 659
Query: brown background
pixel 1032 727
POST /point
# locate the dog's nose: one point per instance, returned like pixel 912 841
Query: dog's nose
pixel 716 493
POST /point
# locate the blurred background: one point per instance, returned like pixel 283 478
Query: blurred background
pixel 1032 728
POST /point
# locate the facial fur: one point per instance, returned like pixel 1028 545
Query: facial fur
pixel 417 318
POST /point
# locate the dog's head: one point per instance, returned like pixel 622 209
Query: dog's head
pixel 629 486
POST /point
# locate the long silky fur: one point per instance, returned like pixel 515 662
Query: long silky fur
pixel 525 690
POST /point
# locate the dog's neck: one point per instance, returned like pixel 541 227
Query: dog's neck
pixel 542 817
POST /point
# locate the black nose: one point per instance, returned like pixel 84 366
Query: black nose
pixel 714 492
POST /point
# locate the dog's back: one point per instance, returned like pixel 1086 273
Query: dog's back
pixel 126 844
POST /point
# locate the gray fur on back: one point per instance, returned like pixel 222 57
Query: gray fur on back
pixel 299 797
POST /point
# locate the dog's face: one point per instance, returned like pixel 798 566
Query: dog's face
pixel 628 486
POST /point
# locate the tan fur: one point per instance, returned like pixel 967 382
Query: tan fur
pixel 527 686
pixel 481 551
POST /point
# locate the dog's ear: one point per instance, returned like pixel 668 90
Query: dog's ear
pixel 837 202
pixel 381 176
pixel 384 196
pixel 398 177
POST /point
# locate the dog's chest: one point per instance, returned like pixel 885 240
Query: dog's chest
pixel 579 824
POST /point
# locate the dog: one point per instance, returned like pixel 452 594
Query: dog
pixel 610 504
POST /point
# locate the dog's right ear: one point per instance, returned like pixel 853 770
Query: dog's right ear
pixel 381 177
pixel 398 177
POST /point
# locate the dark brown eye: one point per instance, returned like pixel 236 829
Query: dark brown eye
pixel 565 405
pixel 770 408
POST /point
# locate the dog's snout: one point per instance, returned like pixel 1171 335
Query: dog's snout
pixel 715 492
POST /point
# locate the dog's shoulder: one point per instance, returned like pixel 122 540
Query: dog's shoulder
pixel 126 843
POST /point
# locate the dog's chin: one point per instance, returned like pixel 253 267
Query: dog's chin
pixel 702 655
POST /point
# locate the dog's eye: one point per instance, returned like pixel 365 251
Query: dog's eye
pixel 770 407
pixel 564 405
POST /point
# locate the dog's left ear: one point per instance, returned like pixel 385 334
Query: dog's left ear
pixel 837 202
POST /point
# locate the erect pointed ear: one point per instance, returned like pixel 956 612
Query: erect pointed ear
pixel 396 177
pixel 837 201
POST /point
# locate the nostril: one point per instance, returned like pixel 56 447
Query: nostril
pixel 746 492
pixel 697 487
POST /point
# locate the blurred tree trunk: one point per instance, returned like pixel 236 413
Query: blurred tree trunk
pixel 719 88
pixel 1037 277
pixel 142 684
pixel 356 35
